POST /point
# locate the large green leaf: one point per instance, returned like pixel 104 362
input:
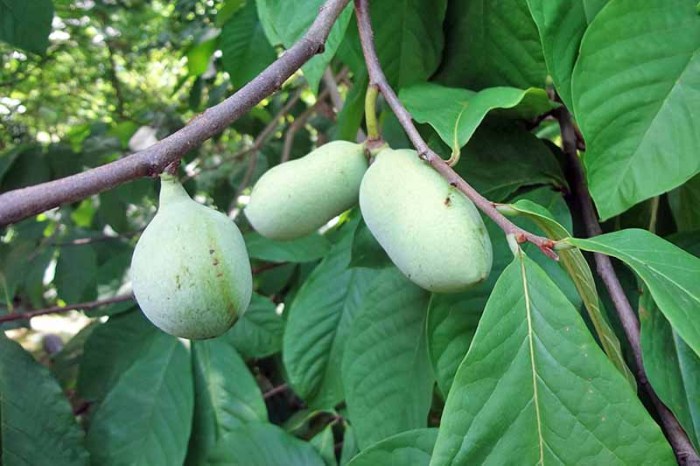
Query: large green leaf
pixel 26 25
pixel 306 249
pixel 575 264
pixel 38 426
pixel 685 204
pixel 226 395
pixel 412 448
pixel 258 332
pixel 386 372
pixel 261 444
pixel 536 389
pixel 561 24
pixel 672 367
pixel 111 349
pixel 76 271
pixel 636 86
pixel 499 160
pixel 670 273
pixel 456 113
pixel 408 38
pixel 318 326
pixel 244 47
pixel 491 43
pixel 146 417
pixel 286 21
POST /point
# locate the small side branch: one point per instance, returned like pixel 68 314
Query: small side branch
pixel 378 79
pixel 59 309
pixel 682 446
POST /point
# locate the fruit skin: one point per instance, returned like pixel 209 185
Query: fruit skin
pixel 190 269
pixel 431 231
pixel 296 198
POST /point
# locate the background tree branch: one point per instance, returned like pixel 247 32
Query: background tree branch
pixel 22 203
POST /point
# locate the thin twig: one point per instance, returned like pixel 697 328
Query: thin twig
pixel 331 83
pixel 298 123
pixel 22 203
pixel 377 78
pixel 682 447
pixel 98 239
pixel 275 390
pixel 72 307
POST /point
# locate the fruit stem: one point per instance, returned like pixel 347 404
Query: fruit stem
pixel 371 113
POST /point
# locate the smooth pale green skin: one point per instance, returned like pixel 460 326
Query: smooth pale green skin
pixel 296 198
pixel 431 231
pixel 190 269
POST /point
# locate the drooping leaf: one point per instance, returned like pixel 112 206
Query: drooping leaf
pixel 146 417
pixel 38 426
pixel 672 367
pixel 386 371
pixel 685 204
pixel 26 25
pixel 306 249
pixel 412 448
pixel 244 47
pixel 318 325
pixel 575 264
pixel 561 24
pixel 670 273
pixel 491 43
pixel 640 126
pixel 456 113
pixel 258 332
pixel 286 21
pixel 535 388
pixel 226 395
pixel 260 444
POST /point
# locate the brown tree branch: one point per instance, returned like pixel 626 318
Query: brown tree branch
pixel 22 203
pixel 378 79
pixel 682 447
pixel 72 307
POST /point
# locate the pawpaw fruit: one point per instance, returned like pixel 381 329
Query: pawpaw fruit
pixel 431 231
pixel 190 269
pixel 298 197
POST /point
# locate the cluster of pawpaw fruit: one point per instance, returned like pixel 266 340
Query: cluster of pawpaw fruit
pixel 191 272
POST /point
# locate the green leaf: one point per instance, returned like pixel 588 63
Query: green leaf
pixel 111 349
pixel 146 417
pixel 561 24
pixel 412 448
pixel 38 426
pixel 199 56
pixel 535 388
pixel 457 113
pixel 226 395
pixel 324 444
pixel 670 273
pixel 26 25
pixel 672 367
pixel 286 21
pixel 66 363
pixel 258 332
pixel 408 38
pixel 306 249
pixel 262 444
pixel 318 326
pixel 635 91
pixel 685 205
pixel 490 44
pixel 244 47
pixel 499 160
pixel 575 264
pixel 228 9
pixel 76 270
pixel 386 371
pixel 366 250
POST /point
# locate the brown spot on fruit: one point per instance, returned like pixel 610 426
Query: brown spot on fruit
pixel 448 201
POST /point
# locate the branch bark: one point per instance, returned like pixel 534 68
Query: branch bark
pixel 682 447
pixel 58 309
pixel 378 79
pixel 22 203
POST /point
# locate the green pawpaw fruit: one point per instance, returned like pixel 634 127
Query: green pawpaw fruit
pixel 190 270
pixel 298 197
pixel 431 231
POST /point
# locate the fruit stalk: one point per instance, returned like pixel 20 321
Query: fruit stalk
pixel 378 80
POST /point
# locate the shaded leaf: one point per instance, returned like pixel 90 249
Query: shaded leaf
pixel 26 25
pixel 535 388
pixel 412 448
pixel 635 87
pixel 306 249
pixel 685 205
pixel 75 276
pixel 258 332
